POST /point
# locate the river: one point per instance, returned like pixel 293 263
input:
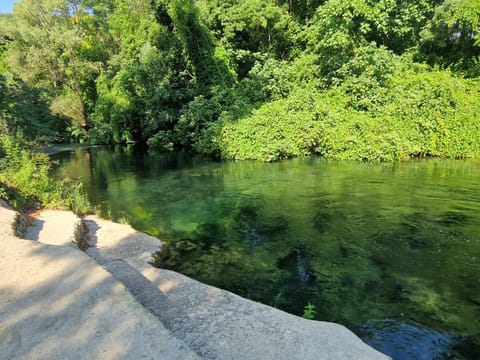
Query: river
pixel 392 251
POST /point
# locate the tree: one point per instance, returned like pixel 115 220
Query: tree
pixel 250 30
pixel 302 10
pixel 452 36
pixel 23 109
pixel 56 48
pixel 340 27
pixel 146 79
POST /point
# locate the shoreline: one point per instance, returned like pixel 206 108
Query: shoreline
pixel 210 322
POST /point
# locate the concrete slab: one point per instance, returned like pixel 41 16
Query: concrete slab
pixel 54 227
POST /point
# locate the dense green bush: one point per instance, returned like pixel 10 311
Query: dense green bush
pixel 414 112
pixel 280 129
pixel 26 179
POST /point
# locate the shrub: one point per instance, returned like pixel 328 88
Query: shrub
pixel 280 129
pixel 26 179
pixel 309 311
pixel 426 113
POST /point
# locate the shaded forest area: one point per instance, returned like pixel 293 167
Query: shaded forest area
pixel 246 79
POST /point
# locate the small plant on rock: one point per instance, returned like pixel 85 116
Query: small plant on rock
pixel 309 311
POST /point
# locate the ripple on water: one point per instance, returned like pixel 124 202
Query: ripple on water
pixel 413 342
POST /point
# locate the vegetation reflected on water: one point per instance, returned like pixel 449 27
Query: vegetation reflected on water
pixel 390 250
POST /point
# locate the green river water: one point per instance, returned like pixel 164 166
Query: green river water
pixel 392 251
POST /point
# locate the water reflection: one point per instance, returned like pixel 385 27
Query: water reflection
pixel 359 241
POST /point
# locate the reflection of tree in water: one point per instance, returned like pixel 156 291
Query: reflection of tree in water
pixel 227 255
pixel 297 287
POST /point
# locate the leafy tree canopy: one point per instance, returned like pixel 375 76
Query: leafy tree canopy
pixel 245 78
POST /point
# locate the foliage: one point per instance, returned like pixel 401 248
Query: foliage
pixel 309 311
pixel 279 129
pixel 26 110
pixel 452 36
pixel 247 79
pixel 135 93
pixel 249 29
pixel 55 48
pixel 26 179
pixel 426 113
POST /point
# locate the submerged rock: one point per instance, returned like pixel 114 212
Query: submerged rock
pixel 173 252
pixel 272 225
pixel 297 265
pixel 210 233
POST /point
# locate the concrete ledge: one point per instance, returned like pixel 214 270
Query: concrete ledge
pixel 56 227
pixel 56 303
pixel 11 222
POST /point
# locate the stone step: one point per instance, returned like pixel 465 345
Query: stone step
pixel 214 323
pixel 11 222
pixel 55 227
pixel 58 303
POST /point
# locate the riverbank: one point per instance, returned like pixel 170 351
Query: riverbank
pixel 59 302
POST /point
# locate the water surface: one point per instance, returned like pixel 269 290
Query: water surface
pixel 391 251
